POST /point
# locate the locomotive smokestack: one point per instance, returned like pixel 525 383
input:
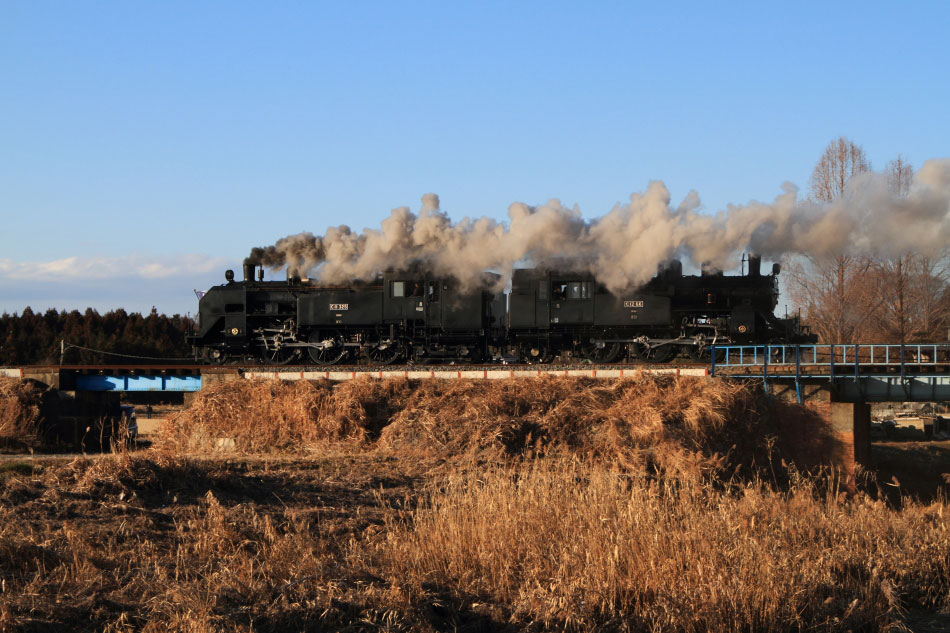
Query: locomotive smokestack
pixel 249 271
pixel 755 265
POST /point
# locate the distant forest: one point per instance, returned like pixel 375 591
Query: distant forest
pixel 32 338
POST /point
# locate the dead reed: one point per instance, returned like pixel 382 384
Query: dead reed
pixel 20 403
pixel 646 419
pixel 262 415
pixel 154 542
pixel 567 544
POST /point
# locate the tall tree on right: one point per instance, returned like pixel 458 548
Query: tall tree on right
pixel 897 273
pixel 916 303
pixel 839 163
pixel 836 291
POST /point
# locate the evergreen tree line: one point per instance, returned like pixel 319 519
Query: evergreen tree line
pixel 33 338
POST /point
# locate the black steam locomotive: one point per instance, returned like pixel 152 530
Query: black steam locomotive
pixel 418 317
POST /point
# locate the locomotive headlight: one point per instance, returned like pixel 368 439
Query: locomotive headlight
pixel 742 329
pixel 234 331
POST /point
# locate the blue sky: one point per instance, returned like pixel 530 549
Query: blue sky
pixel 145 147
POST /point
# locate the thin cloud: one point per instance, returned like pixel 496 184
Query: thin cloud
pixel 101 268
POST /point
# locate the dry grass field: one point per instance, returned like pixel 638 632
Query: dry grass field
pixel 653 504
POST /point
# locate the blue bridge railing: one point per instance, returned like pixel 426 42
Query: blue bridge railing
pixel 855 363
pixel 826 355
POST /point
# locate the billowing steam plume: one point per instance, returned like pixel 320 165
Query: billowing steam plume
pixel 624 247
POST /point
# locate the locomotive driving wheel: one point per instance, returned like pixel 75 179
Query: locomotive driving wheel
pixel 278 354
pixel 535 353
pixel 656 354
pixel 702 354
pixel 275 351
pixel 327 347
pixel 382 352
pixel 608 353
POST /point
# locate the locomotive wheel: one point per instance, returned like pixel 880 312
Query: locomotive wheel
pixel 659 354
pixel 663 353
pixel 475 355
pixel 535 354
pixel 279 355
pixel 216 356
pixel 606 354
pixel 382 353
pixel 702 354
pixel 325 353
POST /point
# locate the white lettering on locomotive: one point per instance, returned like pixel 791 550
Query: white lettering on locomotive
pixel 339 306
pixel 633 304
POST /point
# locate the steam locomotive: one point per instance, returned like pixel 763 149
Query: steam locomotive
pixel 420 317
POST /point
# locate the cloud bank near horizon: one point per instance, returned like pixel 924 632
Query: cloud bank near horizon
pixel 76 268
pixel 135 282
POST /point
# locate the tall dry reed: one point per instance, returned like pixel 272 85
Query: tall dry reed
pixel 568 543
pixel 646 419
pixel 20 403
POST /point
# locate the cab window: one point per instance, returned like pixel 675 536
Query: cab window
pixel 399 289
pixel 578 290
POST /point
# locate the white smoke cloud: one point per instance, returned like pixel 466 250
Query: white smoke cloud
pixel 624 247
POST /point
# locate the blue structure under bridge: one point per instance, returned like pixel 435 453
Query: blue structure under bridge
pixel 137 382
pixel 854 373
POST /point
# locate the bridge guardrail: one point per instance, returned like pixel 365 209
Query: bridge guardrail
pixel 857 361
pixel 831 355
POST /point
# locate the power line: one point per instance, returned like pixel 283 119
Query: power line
pixel 64 346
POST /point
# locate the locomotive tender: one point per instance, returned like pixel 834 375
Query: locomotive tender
pixel 548 314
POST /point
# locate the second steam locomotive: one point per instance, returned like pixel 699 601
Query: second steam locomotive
pixel 549 314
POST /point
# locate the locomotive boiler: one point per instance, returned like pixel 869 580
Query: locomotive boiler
pixel 398 316
pixel 421 317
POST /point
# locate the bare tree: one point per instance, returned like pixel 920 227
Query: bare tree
pixel 898 275
pixel 841 160
pixel 837 295
pixel 899 174
pixel 836 292
pixel 929 298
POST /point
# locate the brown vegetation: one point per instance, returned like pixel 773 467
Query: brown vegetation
pixel 20 403
pixel 644 420
pixel 564 544
pixel 647 504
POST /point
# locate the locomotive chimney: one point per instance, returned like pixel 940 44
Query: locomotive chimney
pixel 671 269
pixel 249 271
pixel 755 265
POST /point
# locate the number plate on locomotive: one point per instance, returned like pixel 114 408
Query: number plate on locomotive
pixel 339 306
pixel 633 304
